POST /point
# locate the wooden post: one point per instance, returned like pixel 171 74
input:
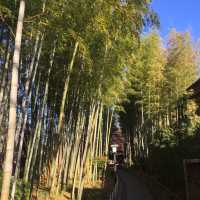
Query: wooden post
pixel 186 179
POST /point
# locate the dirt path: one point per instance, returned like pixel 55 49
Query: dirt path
pixel 131 188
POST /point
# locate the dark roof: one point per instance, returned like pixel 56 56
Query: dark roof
pixel 195 89
pixel 195 86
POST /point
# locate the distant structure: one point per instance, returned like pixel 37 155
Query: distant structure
pixel 195 89
pixel 117 138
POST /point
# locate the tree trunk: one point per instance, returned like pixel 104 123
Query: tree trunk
pixel 61 116
pixel 38 125
pixel 7 171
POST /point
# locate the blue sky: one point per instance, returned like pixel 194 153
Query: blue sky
pixel 180 14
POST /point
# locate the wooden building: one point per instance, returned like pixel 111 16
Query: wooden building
pixel 117 139
pixel 194 89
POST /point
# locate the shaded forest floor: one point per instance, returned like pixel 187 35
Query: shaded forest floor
pixel 91 192
pixel 98 190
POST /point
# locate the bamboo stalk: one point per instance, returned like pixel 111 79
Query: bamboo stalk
pixel 7 171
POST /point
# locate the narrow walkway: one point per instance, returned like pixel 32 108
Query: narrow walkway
pixel 131 188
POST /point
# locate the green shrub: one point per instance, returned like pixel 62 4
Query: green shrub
pixel 22 189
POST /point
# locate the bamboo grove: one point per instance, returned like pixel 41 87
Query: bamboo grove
pixel 65 66
pixel 160 112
